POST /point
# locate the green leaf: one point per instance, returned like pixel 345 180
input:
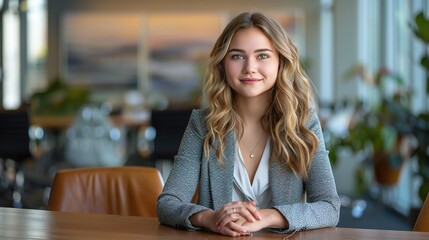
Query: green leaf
pixel 425 62
pixel 422 27
pixel 389 136
pixel 360 183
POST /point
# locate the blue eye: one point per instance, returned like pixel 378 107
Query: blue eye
pixel 263 56
pixel 237 57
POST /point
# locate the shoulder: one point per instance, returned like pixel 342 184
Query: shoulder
pixel 312 117
pixel 199 114
pixel 198 117
pixel 313 123
pixel 197 121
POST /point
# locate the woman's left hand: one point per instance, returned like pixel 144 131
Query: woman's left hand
pixel 237 213
pixel 269 218
pixel 246 216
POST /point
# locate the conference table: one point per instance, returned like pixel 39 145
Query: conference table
pixel 42 224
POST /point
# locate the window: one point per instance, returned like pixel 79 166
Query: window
pixel 11 53
pixel 24 50
pixel 36 40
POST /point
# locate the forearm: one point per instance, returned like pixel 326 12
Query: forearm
pixel 203 219
pixel 272 218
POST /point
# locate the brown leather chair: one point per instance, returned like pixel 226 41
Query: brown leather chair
pixel 131 191
pixel 422 222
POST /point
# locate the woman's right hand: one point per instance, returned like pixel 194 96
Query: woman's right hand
pixel 229 219
pixel 207 220
pixel 237 212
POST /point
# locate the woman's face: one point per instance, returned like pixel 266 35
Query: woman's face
pixel 251 63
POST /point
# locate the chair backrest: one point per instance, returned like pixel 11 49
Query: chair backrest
pixel 131 191
pixel 14 137
pixel 169 126
pixel 422 222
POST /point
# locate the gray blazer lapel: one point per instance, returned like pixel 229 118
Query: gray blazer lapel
pixel 221 177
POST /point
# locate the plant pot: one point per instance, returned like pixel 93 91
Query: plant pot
pixel 385 173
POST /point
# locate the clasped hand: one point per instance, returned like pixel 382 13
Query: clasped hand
pixel 238 219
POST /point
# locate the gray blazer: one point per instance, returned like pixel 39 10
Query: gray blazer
pixel 321 208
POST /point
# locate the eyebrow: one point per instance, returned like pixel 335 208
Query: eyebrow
pixel 256 51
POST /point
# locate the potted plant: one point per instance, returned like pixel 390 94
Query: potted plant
pixel 384 130
pixel 379 129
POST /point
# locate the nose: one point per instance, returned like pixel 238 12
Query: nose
pixel 250 65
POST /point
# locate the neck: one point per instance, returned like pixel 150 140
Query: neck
pixel 251 110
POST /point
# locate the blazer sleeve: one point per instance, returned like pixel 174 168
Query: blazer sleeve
pixel 174 205
pixel 322 207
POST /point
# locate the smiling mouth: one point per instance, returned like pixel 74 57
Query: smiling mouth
pixel 250 80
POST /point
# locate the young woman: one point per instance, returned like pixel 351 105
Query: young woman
pixel 256 151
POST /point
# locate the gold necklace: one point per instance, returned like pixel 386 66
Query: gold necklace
pixel 251 151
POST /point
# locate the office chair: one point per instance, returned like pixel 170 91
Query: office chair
pixel 422 222
pixel 14 138
pixel 14 150
pixel 169 126
pixel 131 191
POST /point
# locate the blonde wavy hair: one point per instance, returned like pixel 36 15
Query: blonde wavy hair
pixel 293 144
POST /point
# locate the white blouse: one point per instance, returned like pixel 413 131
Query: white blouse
pixel 259 191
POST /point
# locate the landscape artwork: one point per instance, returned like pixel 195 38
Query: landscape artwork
pixel 101 50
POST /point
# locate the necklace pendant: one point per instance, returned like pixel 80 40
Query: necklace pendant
pixel 252 155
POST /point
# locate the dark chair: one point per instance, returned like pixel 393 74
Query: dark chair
pixel 169 126
pixel 14 138
pixel 14 150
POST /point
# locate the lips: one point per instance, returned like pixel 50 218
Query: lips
pixel 250 80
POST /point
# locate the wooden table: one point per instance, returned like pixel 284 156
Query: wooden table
pixel 42 224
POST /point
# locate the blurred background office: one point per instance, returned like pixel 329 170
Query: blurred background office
pixel 107 83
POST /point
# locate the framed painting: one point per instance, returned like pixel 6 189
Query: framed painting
pixel 160 53
pixel 101 50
